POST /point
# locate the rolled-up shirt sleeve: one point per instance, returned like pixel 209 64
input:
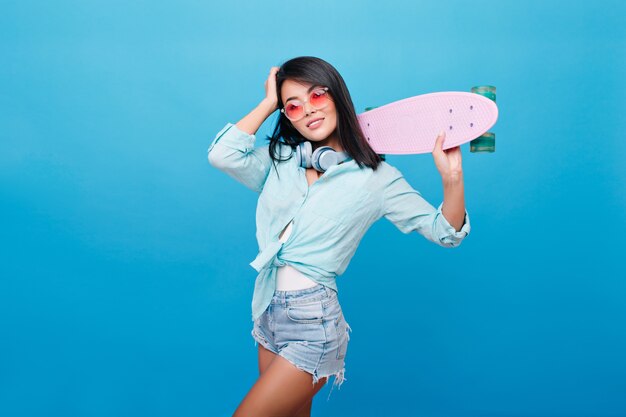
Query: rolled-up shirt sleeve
pixel 405 207
pixel 233 152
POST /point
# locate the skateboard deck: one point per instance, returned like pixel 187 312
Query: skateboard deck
pixel 411 125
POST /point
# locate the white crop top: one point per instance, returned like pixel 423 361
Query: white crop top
pixel 289 278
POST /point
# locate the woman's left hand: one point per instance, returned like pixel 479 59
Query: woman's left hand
pixel 448 162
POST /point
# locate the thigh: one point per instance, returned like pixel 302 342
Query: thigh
pixel 281 390
pixel 265 359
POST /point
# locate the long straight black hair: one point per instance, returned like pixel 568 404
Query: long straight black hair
pixel 309 69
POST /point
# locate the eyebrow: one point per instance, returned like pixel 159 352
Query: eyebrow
pixel 308 91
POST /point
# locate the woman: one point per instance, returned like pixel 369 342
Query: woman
pixel 321 187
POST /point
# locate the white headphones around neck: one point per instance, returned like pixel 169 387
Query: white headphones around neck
pixel 321 159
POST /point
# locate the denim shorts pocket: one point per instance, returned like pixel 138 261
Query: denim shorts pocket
pixel 306 312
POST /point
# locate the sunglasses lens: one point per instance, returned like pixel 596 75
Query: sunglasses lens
pixel 294 110
pixel 319 98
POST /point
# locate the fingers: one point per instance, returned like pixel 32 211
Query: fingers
pixel 271 84
pixel 439 142
pixel 273 75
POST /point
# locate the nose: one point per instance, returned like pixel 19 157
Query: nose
pixel 307 104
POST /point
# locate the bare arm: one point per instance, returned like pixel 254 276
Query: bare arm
pixel 253 120
pixel 453 207
pixel 449 165
pixel 233 150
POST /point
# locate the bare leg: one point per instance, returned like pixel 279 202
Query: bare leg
pixel 281 390
pixel 265 358
pixel 305 411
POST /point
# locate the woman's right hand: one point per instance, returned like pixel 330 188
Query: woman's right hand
pixel 270 89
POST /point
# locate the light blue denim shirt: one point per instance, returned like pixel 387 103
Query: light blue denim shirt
pixel 330 217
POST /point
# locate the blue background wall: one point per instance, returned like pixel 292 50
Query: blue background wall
pixel 125 287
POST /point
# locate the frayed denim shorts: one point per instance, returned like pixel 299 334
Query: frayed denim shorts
pixel 306 327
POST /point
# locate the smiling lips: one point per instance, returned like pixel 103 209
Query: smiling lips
pixel 316 124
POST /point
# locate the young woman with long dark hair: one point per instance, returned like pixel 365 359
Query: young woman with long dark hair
pixel 321 186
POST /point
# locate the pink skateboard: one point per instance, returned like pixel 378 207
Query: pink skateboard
pixel 411 125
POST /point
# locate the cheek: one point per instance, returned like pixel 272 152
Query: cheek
pixel 333 116
pixel 333 121
pixel 298 127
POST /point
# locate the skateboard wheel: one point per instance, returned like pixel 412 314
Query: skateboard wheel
pixel 369 108
pixel 484 143
pixel 488 91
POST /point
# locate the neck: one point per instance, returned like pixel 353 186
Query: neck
pixel 332 141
